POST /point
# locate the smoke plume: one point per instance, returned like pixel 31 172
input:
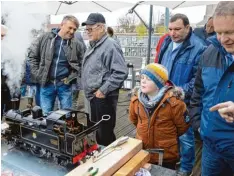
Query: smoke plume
pixel 17 40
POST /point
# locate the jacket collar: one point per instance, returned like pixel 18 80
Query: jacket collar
pixel 54 33
pixel 213 40
pixel 186 44
pixel 98 43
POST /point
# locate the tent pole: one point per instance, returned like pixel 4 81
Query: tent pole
pixel 167 16
pixel 149 34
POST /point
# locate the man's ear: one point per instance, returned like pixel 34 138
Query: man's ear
pixel 188 27
pixel 61 25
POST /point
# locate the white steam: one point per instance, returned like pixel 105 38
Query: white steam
pixel 17 40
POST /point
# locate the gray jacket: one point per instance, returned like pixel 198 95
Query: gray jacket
pixel 41 54
pixel 103 68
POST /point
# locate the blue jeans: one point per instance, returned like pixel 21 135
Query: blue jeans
pixel 48 94
pixel 187 151
pixel 23 89
pixel 215 163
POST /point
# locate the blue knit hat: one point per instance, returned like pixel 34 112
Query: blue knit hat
pixel 157 73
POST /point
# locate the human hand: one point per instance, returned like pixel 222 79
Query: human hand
pixel 99 94
pixel 65 81
pixel 226 110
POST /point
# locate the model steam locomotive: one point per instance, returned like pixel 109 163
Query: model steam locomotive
pixel 59 136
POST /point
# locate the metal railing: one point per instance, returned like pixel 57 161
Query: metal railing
pixel 135 46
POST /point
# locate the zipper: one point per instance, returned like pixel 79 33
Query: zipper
pixel 56 67
pixel 229 87
pixel 159 106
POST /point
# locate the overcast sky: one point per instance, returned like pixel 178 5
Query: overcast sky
pixel 195 14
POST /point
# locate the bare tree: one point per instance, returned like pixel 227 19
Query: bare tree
pixel 127 23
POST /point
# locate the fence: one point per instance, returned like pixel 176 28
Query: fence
pixel 135 46
pixel 135 52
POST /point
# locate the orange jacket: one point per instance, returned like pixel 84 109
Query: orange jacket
pixel 163 128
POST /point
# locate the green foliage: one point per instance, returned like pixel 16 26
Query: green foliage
pixel 141 30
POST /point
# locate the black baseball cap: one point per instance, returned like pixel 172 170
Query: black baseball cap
pixel 94 18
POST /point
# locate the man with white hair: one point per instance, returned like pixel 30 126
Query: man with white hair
pixel 104 70
pixel 214 84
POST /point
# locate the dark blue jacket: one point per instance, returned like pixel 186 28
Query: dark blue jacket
pixel 202 34
pixel 214 84
pixel 184 66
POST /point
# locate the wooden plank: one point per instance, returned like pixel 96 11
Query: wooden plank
pixel 134 164
pixel 109 164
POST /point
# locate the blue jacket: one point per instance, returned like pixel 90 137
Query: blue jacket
pixel 203 35
pixel 214 84
pixel 184 65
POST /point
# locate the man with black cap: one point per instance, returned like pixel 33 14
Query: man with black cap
pixel 104 70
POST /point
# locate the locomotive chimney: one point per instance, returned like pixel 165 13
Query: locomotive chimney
pixel 15 103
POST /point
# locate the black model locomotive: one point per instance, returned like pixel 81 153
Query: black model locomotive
pixel 60 135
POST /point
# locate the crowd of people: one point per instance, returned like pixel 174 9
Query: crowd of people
pixel 188 90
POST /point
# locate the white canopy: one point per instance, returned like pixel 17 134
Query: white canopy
pixel 70 7
pixel 179 4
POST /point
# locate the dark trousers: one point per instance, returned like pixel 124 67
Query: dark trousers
pixel 215 163
pixel 104 106
pixel 5 100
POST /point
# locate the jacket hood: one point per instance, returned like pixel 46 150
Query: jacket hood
pixel 173 91
pixel 213 40
pixel 55 31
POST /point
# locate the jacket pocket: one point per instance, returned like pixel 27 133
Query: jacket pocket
pixel 171 151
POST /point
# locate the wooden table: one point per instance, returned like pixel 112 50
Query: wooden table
pixel 22 162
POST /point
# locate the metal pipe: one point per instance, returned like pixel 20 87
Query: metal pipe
pixel 167 16
pixel 149 34
pixel 141 19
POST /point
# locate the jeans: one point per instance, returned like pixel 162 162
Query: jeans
pixel 187 151
pixel 75 96
pixel 48 95
pixel 104 106
pixel 23 90
pixel 215 163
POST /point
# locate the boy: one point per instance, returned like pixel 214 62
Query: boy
pixel 158 112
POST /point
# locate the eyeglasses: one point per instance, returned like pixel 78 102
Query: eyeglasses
pixel 91 29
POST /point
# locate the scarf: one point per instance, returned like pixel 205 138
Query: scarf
pixel 147 103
